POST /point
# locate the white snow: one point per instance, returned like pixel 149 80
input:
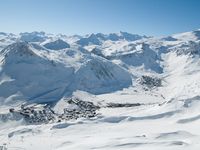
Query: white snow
pixel 102 72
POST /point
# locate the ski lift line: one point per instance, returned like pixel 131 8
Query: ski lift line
pixel 44 93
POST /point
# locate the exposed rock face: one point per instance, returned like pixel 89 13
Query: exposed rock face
pixel 98 52
pixel 188 48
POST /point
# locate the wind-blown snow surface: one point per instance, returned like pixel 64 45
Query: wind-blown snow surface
pixel 103 69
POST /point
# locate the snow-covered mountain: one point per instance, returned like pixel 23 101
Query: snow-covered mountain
pixel 33 36
pixel 132 91
pixel 99 38
pixel 43 75
pixel 96 63
pixel 56 45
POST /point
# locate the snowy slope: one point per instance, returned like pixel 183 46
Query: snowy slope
pixel 40 76
pixel 32 75
pixel 103 69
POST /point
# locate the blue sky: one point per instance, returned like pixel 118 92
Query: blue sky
pixel 149 17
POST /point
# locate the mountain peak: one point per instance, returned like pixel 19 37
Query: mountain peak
pixel 19 48
pixel 57 45
pixel 130 37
